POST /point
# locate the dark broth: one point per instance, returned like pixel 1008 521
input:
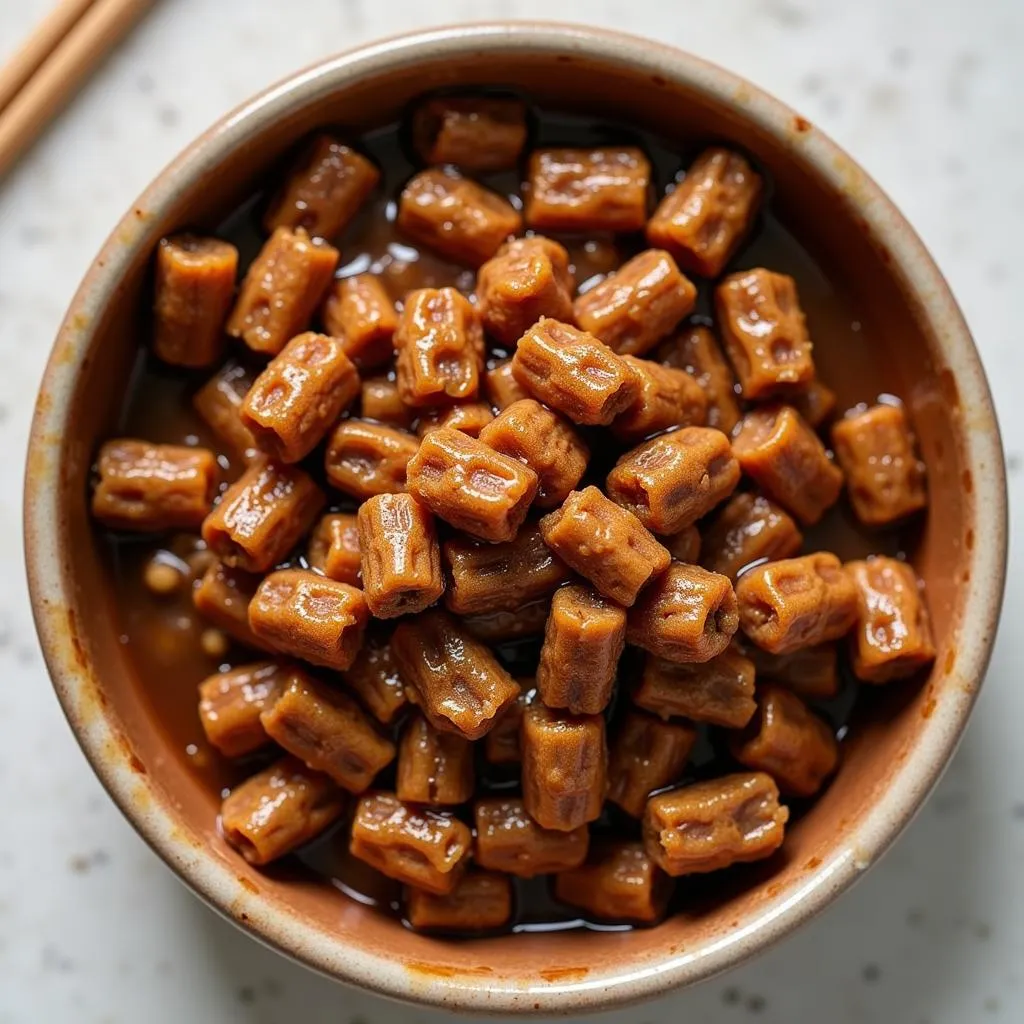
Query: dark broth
pixel 163 635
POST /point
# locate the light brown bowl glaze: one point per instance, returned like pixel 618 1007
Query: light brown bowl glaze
pixel 892 759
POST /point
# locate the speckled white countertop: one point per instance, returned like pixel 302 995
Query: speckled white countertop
pixel 928 97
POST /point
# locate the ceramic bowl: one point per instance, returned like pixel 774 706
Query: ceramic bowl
pixel 895 752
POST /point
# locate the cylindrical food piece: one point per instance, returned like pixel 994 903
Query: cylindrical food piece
pixel 438 341
pixel 364 459
pixel 230 705
pixel 695 350
pixel 687 614
pixel 713 824
pixel 564 767
pixel 668 398
pixel 376 681
pixel 884 476
pixel 480 134
pixel 797 602
pixel 297 398
pixel 381 401
pixel 509 840
pixel 262 516
pixel 455 216
pixel 583 641
pixel 456 681
pixel 892 637
pixel 685 545
pixel 501 387
pixel 811 673
pixel 619 882
pixel 147 487
pixel 281 290
pixel 497 627
pixel 646 754
pixel 360 313
pixel 749 529
pixel 787 460
pixel 433 767
pixel 470 485
pixel 587 190
pixel 605 543
pixel 501 744
pixel 574 373
pixel 401 559
pixel 310 617
pixel 328 730
pixel 764 333
pixel 195 283
pixel 219 402
pixel 544 441
pixel 632 309
pixel 705 217
pixel 324 189
pixel 222 597
pixel 669 482
pixel 528 278
pixel 426 849
pixel 279 809
pixel 469 417
pixel 719 691
pixel 334 548
pixel 493 577
pixel 481 901
pixel 788 741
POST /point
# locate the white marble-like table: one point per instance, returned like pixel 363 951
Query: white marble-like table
pixel 928 96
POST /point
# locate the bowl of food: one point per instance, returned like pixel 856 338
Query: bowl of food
pixel 515 518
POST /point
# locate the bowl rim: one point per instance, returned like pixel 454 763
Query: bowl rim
pixel 149 809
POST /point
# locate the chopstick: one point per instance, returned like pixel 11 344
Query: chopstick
pixel 26 60
pixel 46 71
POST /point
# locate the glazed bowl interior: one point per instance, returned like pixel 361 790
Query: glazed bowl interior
pixel 912 342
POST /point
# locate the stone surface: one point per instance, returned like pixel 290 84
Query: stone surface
pixel 94 928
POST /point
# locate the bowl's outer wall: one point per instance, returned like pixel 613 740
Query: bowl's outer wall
pixel 894 757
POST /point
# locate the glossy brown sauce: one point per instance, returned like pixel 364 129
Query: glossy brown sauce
pixel 163 634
